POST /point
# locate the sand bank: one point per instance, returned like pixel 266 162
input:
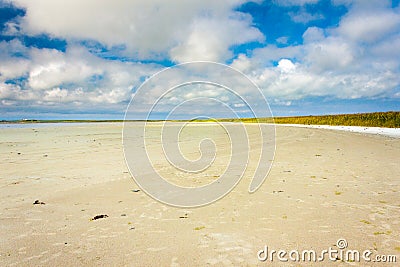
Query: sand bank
pixel 392 132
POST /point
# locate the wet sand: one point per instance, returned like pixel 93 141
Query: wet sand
pixel 323 185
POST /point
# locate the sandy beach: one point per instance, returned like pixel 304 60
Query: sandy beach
pixel 324 185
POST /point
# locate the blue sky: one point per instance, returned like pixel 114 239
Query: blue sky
pixel 86 59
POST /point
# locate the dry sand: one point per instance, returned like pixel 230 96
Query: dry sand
pixel 323 185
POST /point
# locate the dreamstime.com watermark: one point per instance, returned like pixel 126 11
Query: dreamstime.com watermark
pixel 338 253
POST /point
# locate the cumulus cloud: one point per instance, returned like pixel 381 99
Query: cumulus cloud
pixel 51 67
pixel 286 66
pixel 353 60
pixel 369 25
pixel 210 39
pixel 328 54
pixel 283 85
pixel 11 66
pixel 148 29
pixel 313 34
pixel 242 63
pixel 49 76
pixel 267 55
pixel 356 58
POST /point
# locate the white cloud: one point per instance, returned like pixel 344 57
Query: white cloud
pixel 11 28
pixel 286 66
pixel 5 91
pixel 112 96
pixel 328 54
pixel 282 40
pixel 148 29
pixel 239 105
pixel 273 53
pixel 51 67
pixel 295 2
pixel 76 76
pixel 286 86
pixel 369 26
pixel 55 94
pixel 242 63
pixel 305 17
pixel 358 58
pixel 354 60
pixel 313 34
pixel 12 66
pixel 363 5
pixel 210 39
pixel 387 50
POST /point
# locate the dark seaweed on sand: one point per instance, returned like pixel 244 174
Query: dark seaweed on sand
pixel 99 217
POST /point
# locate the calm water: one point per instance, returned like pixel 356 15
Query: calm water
pixel 43 125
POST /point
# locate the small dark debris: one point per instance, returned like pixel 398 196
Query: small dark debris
pixel 132 228
pixel 37 202
pixel 287 171
pixel 45 155
pixel 135 190
pixel 318 155
pixel 65 243
pixel 183 217
pixel 123 214
pixel 19 153
pixel 278 191
pixel 99 217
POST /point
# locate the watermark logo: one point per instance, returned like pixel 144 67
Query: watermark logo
pixel 338 253
pixel 341 243
pixel 185 100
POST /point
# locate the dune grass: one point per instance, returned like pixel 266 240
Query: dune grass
pixel 390 119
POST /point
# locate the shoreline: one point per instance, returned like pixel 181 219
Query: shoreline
pixel 389 119
pixel 390 132
pixel 384 131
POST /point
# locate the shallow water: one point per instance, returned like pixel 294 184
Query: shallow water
pixel 44 124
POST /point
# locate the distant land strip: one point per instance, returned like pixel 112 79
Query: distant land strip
pixel 390 119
